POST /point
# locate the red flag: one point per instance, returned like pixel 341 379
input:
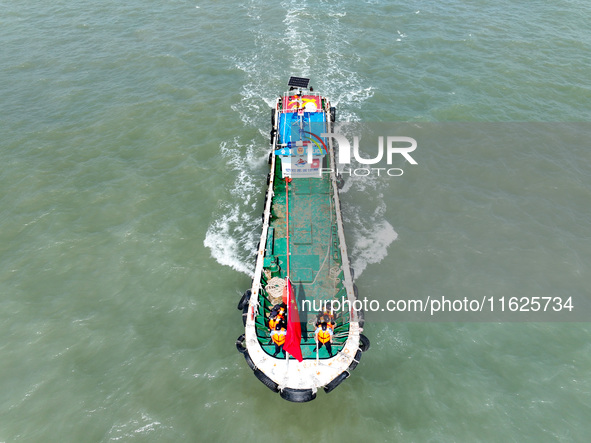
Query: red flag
pixel 293 335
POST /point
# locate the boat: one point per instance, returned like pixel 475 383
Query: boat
pixel 303 327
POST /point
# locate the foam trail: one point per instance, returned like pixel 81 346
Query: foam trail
pixel 372 237
pixel 226 244
pixel 287 45
pixel 231 236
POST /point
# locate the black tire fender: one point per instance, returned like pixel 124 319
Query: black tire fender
pixel 356 360
pixel 244 299
pixel 241 344
pixel 266 380
pixel 361 315
pixel 364 343
pixel 249 361
pixel 298 395
pixel 245 313
pixel 336 381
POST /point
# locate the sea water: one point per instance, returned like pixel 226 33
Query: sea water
pixel 134 138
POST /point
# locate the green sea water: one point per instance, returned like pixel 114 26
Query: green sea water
pixel 133 148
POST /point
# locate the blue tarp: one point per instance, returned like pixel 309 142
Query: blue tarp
pixel 298 134
pixel 290 131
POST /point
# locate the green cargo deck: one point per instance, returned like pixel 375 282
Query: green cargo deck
pixel 314 260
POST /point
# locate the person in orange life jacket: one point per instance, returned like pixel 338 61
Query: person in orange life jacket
pixel 278 337
pixel 279 309
pixel 323 336
pixel 275 321
pixel 277 316
pixel 325 316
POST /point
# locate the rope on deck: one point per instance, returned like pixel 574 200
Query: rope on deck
pixel 275 289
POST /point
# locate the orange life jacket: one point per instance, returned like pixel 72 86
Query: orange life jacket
pixel 275 321
pixel 278 337
pixel 324 336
